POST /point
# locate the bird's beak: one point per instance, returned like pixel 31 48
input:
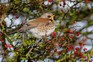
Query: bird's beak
pixel 54 17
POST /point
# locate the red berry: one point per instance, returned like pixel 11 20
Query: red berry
pixel 69 48
pixel 64 3
pixel 59 52
pixel 50 0
pixel 90 61
pixel 81 45
pixel 78 34
pixel 55 50
pixel 10 46
pixel 17 16
pixel 63 38
pixel 59 45
pixel 85 49
pixel 71 36
pixel 75 52
pixel 80 54
pixel 6 45
pixel 54 34
pixel 77 48
pixel 2 40
pixel 1 34
pixel 87 1
pixel 71 31
pixel 84 57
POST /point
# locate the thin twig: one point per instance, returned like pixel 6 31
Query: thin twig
pixel 29 52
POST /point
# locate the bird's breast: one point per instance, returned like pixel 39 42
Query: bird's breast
pixel 42 31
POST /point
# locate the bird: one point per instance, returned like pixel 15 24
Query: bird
pixel 41 26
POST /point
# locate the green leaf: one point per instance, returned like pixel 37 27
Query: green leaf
pixel 23 58
pixel 24 43
pixel 17 1
pixel 26 9
pixel 59 60
pixel 3 28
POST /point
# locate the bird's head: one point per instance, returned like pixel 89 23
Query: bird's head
pixel 50 16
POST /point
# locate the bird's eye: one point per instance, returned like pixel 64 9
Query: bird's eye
pixel 49 16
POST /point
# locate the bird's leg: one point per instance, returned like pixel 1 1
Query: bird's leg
pixel 44 37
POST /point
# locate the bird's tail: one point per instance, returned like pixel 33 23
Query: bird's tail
pixel 13 31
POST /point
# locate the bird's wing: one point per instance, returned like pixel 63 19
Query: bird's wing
pixel 38 21
pixel 34 23
pixel 27 26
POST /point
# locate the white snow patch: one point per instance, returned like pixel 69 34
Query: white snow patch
pixel 8 21
pixel 88 47
pixel 78 25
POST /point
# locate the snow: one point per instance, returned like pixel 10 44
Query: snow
pixel 54 7
pixel 79 25
pixel 17 21
pixel 90 36
pixel 1 58
pixel 8 21
pixel 89 47
pixel 10 16
pixel 11 54
pixel 47 3
pixel 48 60
pixel 65 7
pixel 14 20
pixel 4 1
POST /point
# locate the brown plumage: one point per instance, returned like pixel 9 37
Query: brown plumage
pixel 41 26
